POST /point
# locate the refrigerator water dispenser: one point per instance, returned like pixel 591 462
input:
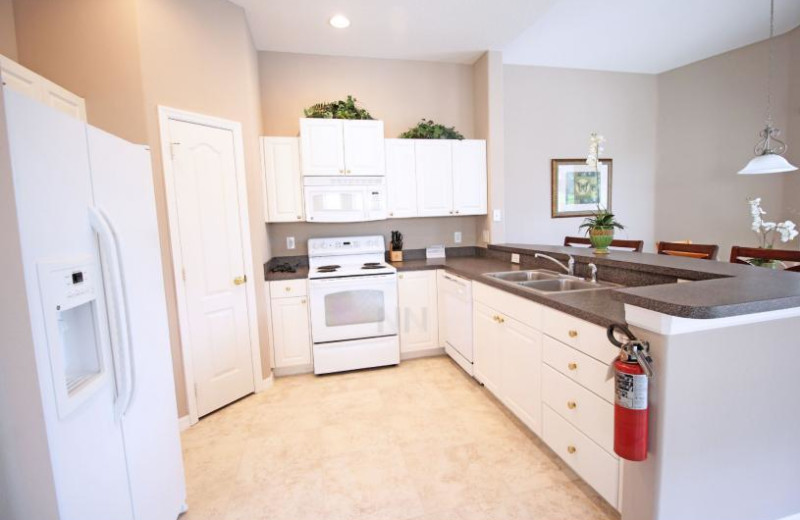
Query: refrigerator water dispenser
pixel 75 330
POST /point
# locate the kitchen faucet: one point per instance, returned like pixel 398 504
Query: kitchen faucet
pixel 569 267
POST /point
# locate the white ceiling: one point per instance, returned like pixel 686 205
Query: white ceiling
pixel 435 30
pixel 648 36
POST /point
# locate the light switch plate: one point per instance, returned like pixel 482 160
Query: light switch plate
pixel 497 215
pixel 514 258
pixel 289 242
pixel 457 237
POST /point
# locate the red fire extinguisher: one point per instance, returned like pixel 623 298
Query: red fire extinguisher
pixel 632 371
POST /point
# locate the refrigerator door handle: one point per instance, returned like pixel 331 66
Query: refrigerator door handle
pixel 121 348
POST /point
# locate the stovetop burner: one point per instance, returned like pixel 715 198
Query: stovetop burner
pixel 372 263
pixel 329 267
pixel 372 266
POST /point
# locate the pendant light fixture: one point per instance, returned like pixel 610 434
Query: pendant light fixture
pixel 770 149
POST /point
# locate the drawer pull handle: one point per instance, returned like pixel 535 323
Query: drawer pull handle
pixel 303 301
pixel 573 334
pixel 498 319
pixel 572 366
pixel 400 276
pixel 288 289
pixel 572 405
pixel 571 449
pixel 239 280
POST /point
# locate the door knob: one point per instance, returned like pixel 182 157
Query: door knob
pixel 239 280
pixel 571 449
pixel 572 405
pixel 572 366
pixel 573 334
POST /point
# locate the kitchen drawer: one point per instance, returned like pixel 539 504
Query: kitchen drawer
pixel 521 309
pixel 587 337
pixel 579 367
pixel 582 408
pixel 594 464
pixel 287 288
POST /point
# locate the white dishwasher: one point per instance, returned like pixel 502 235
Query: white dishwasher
pixel 455 318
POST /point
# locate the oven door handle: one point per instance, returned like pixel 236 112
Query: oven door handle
pixel 365 280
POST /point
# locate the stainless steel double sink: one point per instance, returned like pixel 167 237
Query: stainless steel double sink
pixel 544 281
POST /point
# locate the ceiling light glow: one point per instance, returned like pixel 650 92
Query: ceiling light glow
pixel 339 21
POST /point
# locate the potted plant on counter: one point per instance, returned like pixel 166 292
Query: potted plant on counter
pixel 600 227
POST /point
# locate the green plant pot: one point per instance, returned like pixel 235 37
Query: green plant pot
pixel 601 239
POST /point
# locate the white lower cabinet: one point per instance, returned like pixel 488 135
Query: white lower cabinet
pixel 594 464
pixel 417 302
pixel 290 328
pixel 508 360
pixel 552 371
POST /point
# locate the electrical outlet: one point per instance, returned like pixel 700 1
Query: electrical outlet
pixel 289 242
pixel 497 215
pixel 514 258
pixel 457 237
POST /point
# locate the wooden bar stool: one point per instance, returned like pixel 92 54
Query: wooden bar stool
pixel 741 255
pixel 632 245
pixel 687 249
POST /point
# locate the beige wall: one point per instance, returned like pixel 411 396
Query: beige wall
pixel 710 113
pixel 90 47
pixel 549 113
pixel 398 92
pixel 197 55
pixel 8 34
pixel 417 232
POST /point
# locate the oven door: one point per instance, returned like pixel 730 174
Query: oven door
pixel 353 308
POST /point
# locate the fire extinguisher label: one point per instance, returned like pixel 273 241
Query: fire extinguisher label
pixel 631 391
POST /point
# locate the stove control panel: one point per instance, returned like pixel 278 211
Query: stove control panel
pixel 345 246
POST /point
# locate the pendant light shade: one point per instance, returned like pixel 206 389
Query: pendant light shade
pixel 767 163
pixel 768 152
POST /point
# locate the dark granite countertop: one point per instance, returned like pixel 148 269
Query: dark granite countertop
pixel 596 306
pixel 718 289
pixel 714 289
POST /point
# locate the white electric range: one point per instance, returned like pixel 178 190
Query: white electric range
pixel 353 294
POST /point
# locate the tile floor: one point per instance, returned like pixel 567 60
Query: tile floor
pixel 413 442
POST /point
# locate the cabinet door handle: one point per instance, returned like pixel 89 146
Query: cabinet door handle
pixel 572 366
pixel 303 301
pixel 571 449
pixel 572 405
pixel 341 171
pixel 456 212
pixel 400 276
pixel 299 217
pixel 348 171
pixel 391 213
pixel 573 334
pixel 239 280
pixel 287 289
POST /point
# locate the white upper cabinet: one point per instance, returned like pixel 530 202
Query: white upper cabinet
pixel 434 164
pixel 469 177
pixel 283 184
pixel 363 148
pixel 401 178
pixel 341 147
pixel 20 79
pixel 322 145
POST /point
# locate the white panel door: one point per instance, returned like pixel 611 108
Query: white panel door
pixel 211 249
pixel 521 371
pixel 122 180
pixel 322 146
pixel 434 164
pixel 469 177
pixel 283 183
pixel 18 78
pixel 416 292
pixel 488 360
pixel 363 148
pixel 291 339
pixel 401 178
pixel 63 100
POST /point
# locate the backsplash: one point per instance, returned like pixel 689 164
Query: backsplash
pixel 417 232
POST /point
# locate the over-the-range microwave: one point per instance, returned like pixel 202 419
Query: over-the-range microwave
pixel 345 199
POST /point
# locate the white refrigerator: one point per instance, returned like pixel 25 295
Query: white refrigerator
pixel 95 295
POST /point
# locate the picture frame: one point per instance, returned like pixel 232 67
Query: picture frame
pixel 577 189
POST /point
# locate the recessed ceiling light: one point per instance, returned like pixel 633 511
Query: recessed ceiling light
pixel 339 21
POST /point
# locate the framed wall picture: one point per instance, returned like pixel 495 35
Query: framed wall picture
pixel 577 189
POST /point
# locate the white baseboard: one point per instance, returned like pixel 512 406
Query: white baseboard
pixel 292 371
pixel 184 423
pixel 428 352
pixel 267 383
